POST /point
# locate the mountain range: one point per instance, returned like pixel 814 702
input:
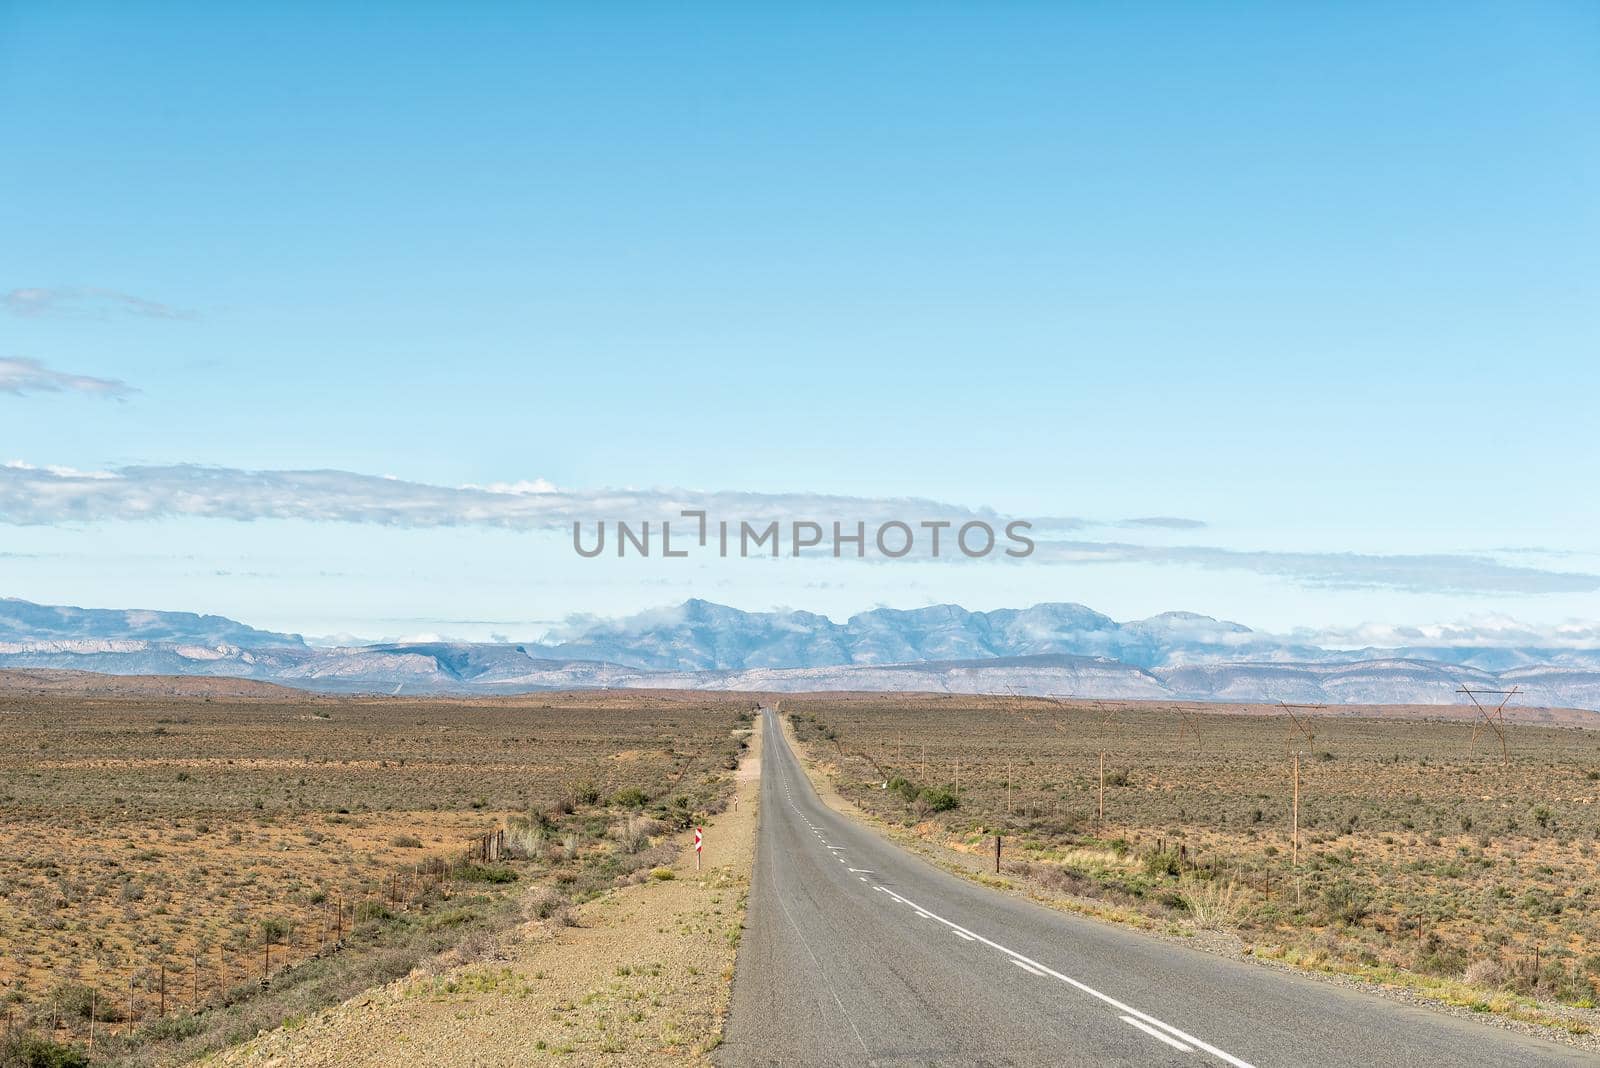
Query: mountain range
pixel 1058 649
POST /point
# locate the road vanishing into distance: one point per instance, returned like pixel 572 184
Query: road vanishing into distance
pixel 857 952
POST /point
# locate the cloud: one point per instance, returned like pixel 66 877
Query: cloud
pixel 1164 522
pixel 1482 632
pixel 526 485
pixel 88 301
pixel 19 376
pixel 53 495
pixel 44 495
pixel 1411 572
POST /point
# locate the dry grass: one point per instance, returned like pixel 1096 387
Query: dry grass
pixel 190 830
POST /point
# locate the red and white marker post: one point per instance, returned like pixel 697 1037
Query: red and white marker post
pixel 699 844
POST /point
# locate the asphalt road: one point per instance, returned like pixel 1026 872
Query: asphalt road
pixel 859 953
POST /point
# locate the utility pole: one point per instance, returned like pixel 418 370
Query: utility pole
pixel 1301 726
pixel 1295 840
pixel 1494 720
pixel 1295 833
pixel 1100 809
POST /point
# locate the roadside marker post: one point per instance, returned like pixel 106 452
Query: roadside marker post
pixel 699 844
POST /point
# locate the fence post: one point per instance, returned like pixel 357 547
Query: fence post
pixel 997 854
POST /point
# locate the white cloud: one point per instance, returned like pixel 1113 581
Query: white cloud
pixel 44 496
pixel 1489 631
pixel 1412 572
pixel 19 375
pixel 1164 522
pixel 536 485
pixel 37 302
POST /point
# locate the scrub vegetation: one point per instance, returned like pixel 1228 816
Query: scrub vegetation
pixel 185 870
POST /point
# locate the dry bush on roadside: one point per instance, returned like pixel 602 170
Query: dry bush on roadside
pixel 549 906
pixel 633 833
pixel 1213 904
pixel 1485 973
pixel 1065 880
pixel 476 946
pixel 525 838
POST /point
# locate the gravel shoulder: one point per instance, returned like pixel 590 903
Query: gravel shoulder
pixel 643 978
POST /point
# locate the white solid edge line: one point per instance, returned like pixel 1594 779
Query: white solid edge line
pixel 1030 969
pixel 1085 987
pixel 1153 1033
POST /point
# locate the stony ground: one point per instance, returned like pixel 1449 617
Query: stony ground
pixel 643 978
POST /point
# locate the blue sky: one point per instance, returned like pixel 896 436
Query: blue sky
pixel 1324 280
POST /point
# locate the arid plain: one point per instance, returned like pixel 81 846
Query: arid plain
pixel 179 859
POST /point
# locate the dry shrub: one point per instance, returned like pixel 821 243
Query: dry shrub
pixel 633 833
pixel 476 946
pixel 1485 973
pixel 1214 904
pixel 1064 880
pixel 549 906
pixel 525 839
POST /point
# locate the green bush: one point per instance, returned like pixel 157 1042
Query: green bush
pixel 274 929
pixel 1344 903
pixel 484 873
pixel 907 789
pixel 630 797
pixel 1163 862
pixel 31 1051
pixel 938 799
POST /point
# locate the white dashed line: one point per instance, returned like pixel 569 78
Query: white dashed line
pixel 1084 987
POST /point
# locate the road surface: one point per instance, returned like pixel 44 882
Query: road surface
pixel 859 953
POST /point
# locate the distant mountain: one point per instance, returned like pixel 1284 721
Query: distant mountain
pixel 701 636
pixel 1049 649
pixel 26 621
